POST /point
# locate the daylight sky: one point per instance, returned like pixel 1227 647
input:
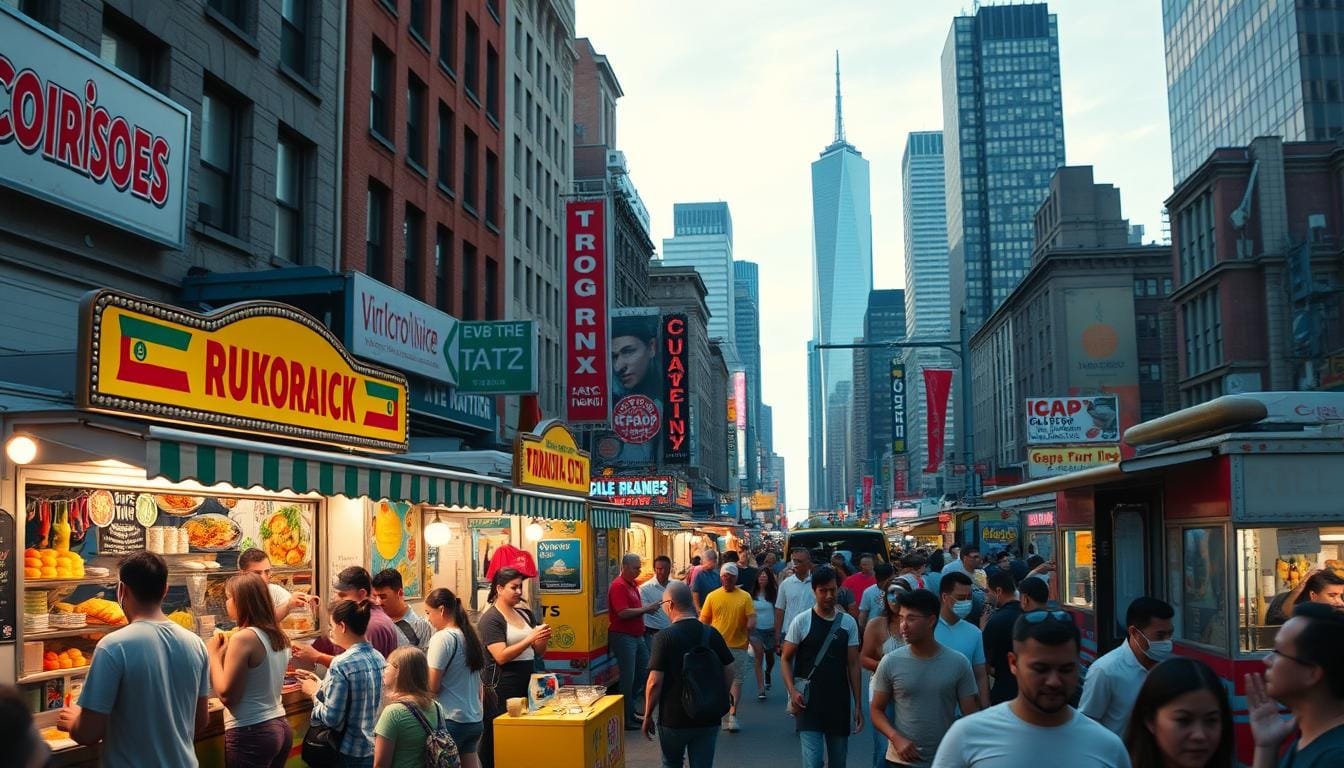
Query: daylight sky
pixel 733 99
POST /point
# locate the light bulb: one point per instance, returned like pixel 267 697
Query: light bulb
pixel 534 531
pixel 437 533
pixel 21 449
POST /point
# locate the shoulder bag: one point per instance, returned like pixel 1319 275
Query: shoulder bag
pixel 322 743
pixel 803 685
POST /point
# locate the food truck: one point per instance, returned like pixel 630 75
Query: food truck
pixel 1224 506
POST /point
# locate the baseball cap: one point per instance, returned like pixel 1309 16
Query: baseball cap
pixel 728 568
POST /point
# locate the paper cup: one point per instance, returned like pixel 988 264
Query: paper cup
pixel 516 706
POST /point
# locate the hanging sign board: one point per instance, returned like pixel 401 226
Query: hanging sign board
pixel 549 459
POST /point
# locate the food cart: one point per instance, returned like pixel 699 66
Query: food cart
pixel 100 476
pixel 1223 506
pixel 593 738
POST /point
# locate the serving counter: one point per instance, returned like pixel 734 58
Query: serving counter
pixel 594 738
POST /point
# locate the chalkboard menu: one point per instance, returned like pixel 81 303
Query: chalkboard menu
pixel 124 535
pixel 8 554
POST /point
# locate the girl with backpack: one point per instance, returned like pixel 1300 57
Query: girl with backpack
pixel 456 658
pixel 412 731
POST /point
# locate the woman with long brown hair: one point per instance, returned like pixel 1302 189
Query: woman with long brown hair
pixel 456 658
pixel 1181 718
pixel 763 590
pixel 513 642
pixel 247 670
pixel 410 711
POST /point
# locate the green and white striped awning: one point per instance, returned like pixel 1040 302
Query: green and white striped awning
pixel 547 506
pixel 178 455
pixel 609 516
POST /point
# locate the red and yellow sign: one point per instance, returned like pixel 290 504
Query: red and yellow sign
pixel 254 366
pixel 549 459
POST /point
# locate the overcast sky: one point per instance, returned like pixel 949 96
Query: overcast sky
pixel 733 99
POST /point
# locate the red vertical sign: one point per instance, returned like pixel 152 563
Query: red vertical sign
pixel 868 493
pixel 587 363
pixel 937 386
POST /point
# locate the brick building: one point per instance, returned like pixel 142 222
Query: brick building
pixel 423 151
pixel 1256 255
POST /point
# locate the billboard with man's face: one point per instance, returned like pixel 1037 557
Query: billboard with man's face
pixel 636 390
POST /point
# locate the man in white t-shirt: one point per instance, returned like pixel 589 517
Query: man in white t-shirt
pixel 1038 729
pixel 146 692
pixel 412 627
pixel 651 592
pixel 955 632
pixel 795 595
pixel 255 561
pixel 1113 681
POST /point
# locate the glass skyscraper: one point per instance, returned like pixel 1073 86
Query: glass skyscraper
pixel 703 239
pixel 1240 69
pixel 1003 129
pixel 746 298
pixel 842 276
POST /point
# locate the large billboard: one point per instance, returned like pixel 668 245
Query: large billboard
pixel 740 405
pixel 676 386
pixel 1055 420
pixel 79 133
pixel 389 327
pixel 1101 348
pixel 587 375
pixel 636 389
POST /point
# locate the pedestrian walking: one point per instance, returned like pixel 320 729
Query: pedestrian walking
pixel 795 595
pixel 683 734
pixel 870 602
pixel 247 671
pixel 145 695
pixel 880 637
pixel 924 683
pixel 651 592
pixel 625 637
pixel 955 631
pixel 456 659
pixel 412 628
pixel 707 578
pixel 1181 719
pixel 1038 729
pixel 764 592
pixel 773 562
pixel 1113 681
pixel 411 715
pixel 730 610
pixel 997 636
pixel 348 699
pixel 513 642
pixel 1305 673
pixel 863 578
pixel 826 703
pixel 966 563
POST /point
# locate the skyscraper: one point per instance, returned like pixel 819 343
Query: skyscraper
pixel 883 321
pixel 703 239
pixel 1003 124
pixel 927 303
pixel 842 276
pixel 1244 69
pixel 746 306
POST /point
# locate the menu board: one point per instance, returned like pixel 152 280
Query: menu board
pixel 124 535
pixel 8 550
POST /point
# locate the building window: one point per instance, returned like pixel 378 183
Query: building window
pixel 492 82
pixel 1146 324
pixel 443 261
pixel 380 92
pixel 1202 318
pixel 218 193
pixel 415 120
pixel 491 289
pixel 233 10
pixel 471 65
pixel 469 286
pixel 417 22
pixel 1150 372
pixel 289 183
pixel 447 147
pixel 294 35
pixel 131 52
pixel 413 231
pixel 469 180
pixel 491 189
pixel 448 34
pixel 375 237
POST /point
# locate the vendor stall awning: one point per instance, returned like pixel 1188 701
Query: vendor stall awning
pixel 610 516
pixel 547 506
pixel 208 459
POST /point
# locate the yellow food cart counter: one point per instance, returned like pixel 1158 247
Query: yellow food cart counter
pixel 594 738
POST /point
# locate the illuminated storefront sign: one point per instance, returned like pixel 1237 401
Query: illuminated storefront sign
pixel 549 459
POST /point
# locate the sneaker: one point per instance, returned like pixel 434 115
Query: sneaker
pixel 732 726
pixel 760 696
pixel 767 683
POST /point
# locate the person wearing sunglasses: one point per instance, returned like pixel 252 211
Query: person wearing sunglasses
pixel 1113 681
pixel 1038 729
pixel 1305 673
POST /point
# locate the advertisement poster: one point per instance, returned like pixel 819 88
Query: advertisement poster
pixel 1054 420
pixel 395 542
pixel 487 535
pixel 740 420
pixel 560 563
pixel 1102 348
pixel 676 385
pixel 1052 462
pixel 8 578
pixel 996 535
pixel 636 389
pixel 587 361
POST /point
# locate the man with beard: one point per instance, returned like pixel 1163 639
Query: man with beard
pixel 635 372
pixel 1038 729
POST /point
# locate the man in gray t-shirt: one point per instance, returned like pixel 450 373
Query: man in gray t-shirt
pixel 925 681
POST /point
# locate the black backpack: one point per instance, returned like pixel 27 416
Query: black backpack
pixel 704 691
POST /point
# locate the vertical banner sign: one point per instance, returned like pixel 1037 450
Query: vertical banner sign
pixel 937 386
pixel 868 492
pixel 897 408
pixel 676 404
pixel 740 402
pixel 587 364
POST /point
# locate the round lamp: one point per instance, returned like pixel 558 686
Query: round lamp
pixel 21 449
pixel 534 531
pixel 437 533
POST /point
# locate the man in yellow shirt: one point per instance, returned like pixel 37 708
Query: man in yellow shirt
pixel 730 611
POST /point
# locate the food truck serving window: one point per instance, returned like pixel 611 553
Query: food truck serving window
pixel 1076 586
pixel 1281 567
pixel 1197 583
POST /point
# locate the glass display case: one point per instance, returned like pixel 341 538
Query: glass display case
pixel 1273 565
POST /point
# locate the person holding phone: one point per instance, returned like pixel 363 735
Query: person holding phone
pixel 513 642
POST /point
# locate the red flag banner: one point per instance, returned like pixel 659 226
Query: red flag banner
pixel 937 386
pixel 868 493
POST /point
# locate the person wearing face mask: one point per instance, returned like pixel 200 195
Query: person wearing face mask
pixel 958 634
pixel 1113 681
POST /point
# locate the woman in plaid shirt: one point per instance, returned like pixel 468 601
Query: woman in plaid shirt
pixel 351 694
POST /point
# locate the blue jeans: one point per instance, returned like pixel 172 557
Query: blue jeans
pixel 695 743
pixel 632 656
pixel 820 748
pixel 880 742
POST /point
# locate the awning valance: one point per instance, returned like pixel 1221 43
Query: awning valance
pixel 610 516
pixel 547 506
pixel 178 455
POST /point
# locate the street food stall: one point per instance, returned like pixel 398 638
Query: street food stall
pixel 94 479
pixel 656 505
pixel 577 737
pixel 1224 505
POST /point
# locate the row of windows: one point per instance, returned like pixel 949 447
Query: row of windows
pixel 1151 287
pixel 529 111
pixel 1195 237
pixel 1203 333
pixel 297 18
pixel 550 81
